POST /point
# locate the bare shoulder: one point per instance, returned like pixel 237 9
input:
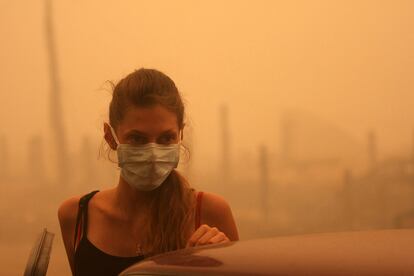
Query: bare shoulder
pixel 68 210
pixel 67 213
pixel 216 212
pixel 212 204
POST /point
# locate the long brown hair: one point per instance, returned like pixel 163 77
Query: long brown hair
pixel 172 203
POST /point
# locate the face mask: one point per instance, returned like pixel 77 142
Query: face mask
pixel 146 167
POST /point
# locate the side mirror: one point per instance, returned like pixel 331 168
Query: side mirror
pixel 39 257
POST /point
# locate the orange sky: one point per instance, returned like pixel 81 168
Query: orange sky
pixel 348 62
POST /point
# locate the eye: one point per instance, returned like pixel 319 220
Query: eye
pixel 137 140
pixel 167 139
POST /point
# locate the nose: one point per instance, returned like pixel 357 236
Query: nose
pixel 152 139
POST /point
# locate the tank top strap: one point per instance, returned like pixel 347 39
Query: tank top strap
pixel 82 218
pixel 198 210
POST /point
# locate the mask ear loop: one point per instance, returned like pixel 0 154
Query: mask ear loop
pixel 114 135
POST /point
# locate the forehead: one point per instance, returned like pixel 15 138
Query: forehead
pixel 150 120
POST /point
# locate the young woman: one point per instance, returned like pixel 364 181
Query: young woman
pixel 152 209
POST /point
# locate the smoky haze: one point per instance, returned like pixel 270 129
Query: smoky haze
pixel 300 113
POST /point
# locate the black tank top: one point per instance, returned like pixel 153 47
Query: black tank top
pixel 90 260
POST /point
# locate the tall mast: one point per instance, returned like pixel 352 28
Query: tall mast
pixel 56 119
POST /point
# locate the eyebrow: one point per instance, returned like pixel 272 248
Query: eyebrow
pixel 134 131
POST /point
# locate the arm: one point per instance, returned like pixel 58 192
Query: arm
pixel 217 222
pixel 67 213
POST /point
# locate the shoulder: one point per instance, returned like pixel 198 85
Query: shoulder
pixel 68 209
pixel 213 204
pixel 215 211
pixel 67 214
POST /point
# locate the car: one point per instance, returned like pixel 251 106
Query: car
pixel 375 252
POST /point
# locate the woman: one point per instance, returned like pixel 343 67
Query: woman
pixel 152 209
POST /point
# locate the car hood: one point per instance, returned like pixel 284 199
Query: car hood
pixel 386 252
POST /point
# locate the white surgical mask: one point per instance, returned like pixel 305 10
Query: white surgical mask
pixel 145 167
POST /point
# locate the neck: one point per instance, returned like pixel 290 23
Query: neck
pixel 131 200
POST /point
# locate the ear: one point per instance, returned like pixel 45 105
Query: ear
pixel 108 137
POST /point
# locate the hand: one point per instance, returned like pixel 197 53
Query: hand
pixel 206 235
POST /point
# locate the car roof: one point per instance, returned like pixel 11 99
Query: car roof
pixel 381 252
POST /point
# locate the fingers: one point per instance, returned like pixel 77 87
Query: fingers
pixel 197 235
pixel 219 238
pixel 206 235
pixel 212 232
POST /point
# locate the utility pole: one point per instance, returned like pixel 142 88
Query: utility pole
pixel 56 120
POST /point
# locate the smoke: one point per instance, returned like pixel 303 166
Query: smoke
pixel 299 113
